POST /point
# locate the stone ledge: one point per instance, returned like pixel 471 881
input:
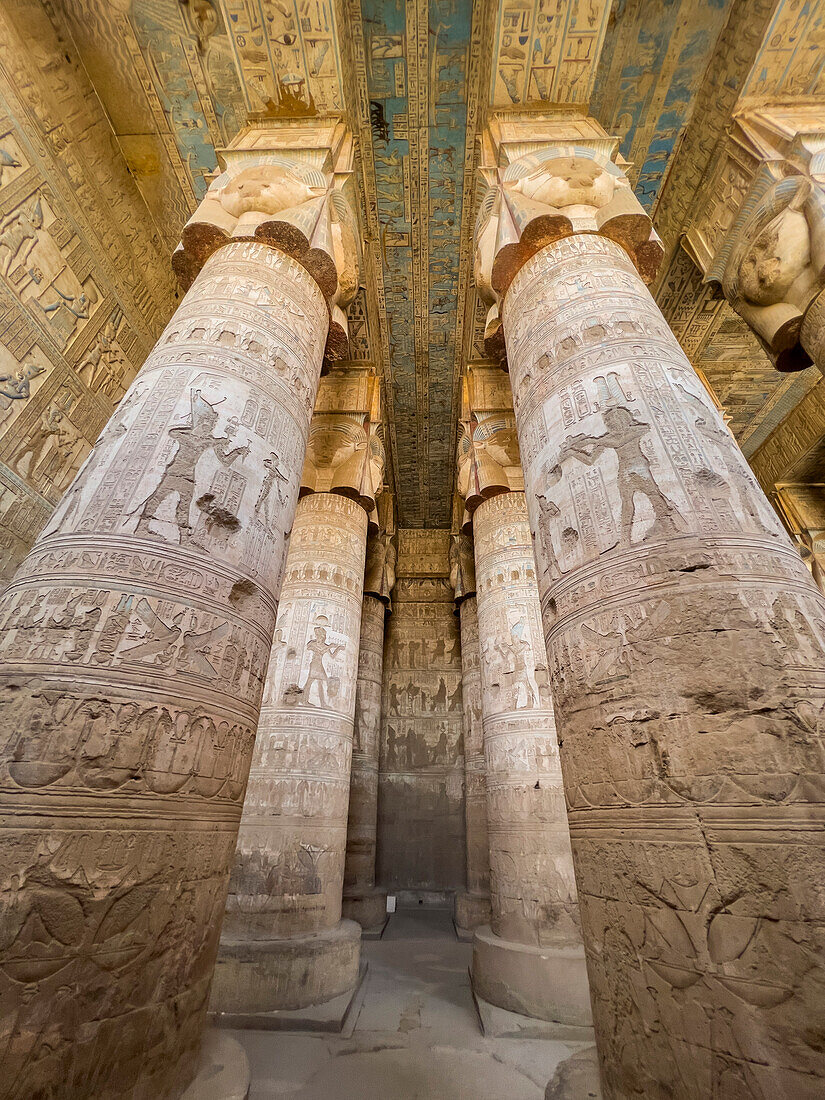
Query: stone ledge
pixel 289 973
pixel 331 1017
pixel 548 983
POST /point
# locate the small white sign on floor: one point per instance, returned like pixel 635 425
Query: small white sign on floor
pixel 390 903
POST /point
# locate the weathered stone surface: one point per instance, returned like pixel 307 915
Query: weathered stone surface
pixel 686 646
pixel 134 648
pixel 420 799
pixel 532 886
pixel 289 866
pixel 547 983
pixel 577 1078
pixel 472 907
pixel 290 972
pixel 361 902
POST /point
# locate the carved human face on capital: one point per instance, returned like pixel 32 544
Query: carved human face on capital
pixel 266 188
pixel 777 258
pixel 571 181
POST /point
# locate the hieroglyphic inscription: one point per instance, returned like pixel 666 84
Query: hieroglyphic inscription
pixel 686 647
pixel 362 821
pixel 84 283
pixel 135 638
pixel 289 866
pixel 475 768
pixel 421 786
pixel 532 887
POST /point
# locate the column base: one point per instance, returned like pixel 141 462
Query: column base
pixel 549 983
pixel 288 973
pixel 223 1069
pixel 368 907
pixel 577 1078
pixel 471 910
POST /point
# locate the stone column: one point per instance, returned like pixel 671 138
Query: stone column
pixel 472 906
pixel 363 901
pixel 686 645
pixel 134 644
pixel 284 945
pixel 531 961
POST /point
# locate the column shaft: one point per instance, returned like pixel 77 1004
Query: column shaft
pixel 361 901
pixel 289 865
pixel 473 906
pixel 532 886
pixel 135 640
pixel 686 647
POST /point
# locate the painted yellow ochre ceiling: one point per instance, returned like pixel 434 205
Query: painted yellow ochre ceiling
pixel 415 79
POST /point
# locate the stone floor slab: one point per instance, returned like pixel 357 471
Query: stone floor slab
pixel 413 1034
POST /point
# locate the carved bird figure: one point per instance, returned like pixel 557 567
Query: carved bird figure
pixel 7 160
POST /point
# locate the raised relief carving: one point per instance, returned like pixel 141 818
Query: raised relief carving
pixel 665 583
pixel 137 633
pixel 421 799
pixel 295 202
pixel 301 767
pixel 568 185
pixel 345 453
pixel 525 804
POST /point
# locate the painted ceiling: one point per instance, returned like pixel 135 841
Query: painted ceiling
pixel 178 78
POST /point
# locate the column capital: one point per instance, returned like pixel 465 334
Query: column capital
pixel 379 572
pixel 759 230
pixel 462 566
pixel 345 452
pixel 551 176
pixel 488 453
pixel 289 185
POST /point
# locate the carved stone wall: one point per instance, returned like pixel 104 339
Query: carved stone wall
pixel 134 644
pixel 421 786
pixel 85 282
pixel 686 646
pixel 364 801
